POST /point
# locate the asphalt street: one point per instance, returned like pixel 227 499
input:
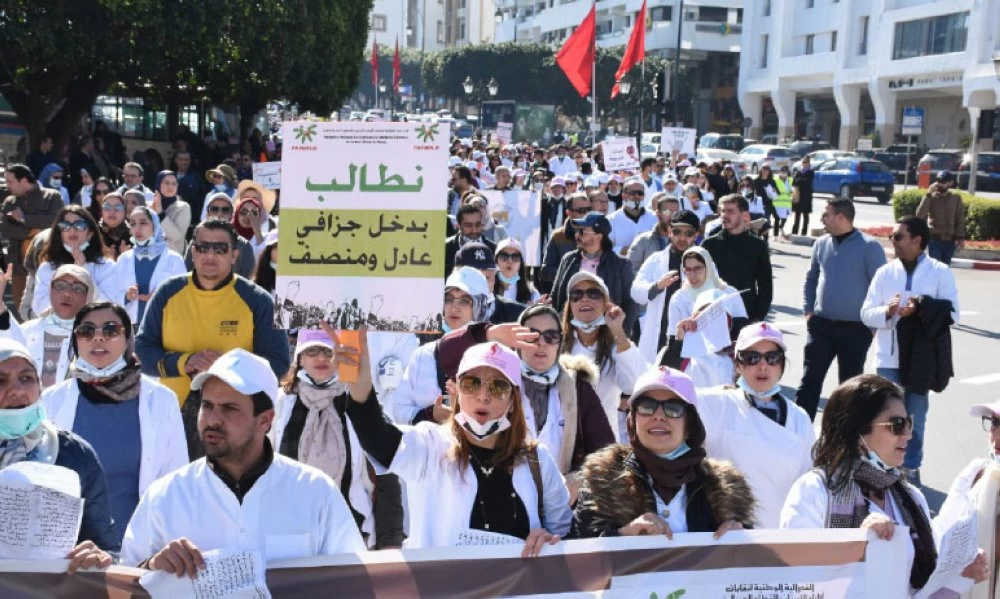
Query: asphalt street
pixel 952 436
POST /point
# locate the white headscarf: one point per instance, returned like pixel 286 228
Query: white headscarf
pixel 712 278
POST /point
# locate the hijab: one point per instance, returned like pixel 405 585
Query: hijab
pixel 155 245
pixel 218 195
pixel 712 278
pixel 247 232
pixel 165 202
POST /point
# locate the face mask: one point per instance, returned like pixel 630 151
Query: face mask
pixel 747 193
pixel 445 327
pixel 745 386
pixel 142 243
pixel 632 205
pixel 485 430
pixel 19 422
pixel 304 377
pixel 55 183
pixel 537 186
pixel 83 246
pixel 872 458
pixel 588 327
pixel 557 195
pixel 274 265
pixel 509 280
pixel 85 367
pixel 676 453
pixel 220 187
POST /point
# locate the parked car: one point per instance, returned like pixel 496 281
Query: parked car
pixel 852 176
pixel 758 155
pixel 722 141
pixel 819 157
pixel 710 155
pixel 987 171
pixel 651 138
pixel 804 146
pixel 648 150
pixel 770 139
pixel 940 160
pixel 895 157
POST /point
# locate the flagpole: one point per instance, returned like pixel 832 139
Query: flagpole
pixel 593 85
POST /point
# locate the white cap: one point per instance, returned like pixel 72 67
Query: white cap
pixel 583 275
pixel 591 182
pixel 992 410
pixel 242 371
pixel 469 280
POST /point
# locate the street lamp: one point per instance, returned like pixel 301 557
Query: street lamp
pixel 493 87
pixel 498 15
pixel 624 87
pixel 469 87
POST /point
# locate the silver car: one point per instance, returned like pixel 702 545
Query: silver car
pixel 758 155
pixel 820 156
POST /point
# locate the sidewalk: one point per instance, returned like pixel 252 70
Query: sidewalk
pixel 964 263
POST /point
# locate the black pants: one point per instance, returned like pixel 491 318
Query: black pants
pixel 846 341
pixel 805 223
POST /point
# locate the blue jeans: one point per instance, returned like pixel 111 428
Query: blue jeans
pixel 916 406
pixel 942 251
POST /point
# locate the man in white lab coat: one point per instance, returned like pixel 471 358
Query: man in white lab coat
pixel 241 495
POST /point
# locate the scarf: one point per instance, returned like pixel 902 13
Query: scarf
pixel 322 443
pixel 669 475
pixel 57 327
pixel 165 202
pixel 867 479
pixel 16 450
pixel 247 232
pixel 536 386
pixel 121 386
pixel 155 245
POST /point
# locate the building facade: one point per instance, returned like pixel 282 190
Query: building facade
pixel 841 69
pixel 709 40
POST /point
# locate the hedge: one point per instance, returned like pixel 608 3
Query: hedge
pixel 982 215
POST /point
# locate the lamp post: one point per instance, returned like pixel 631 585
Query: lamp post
pixel 469 87
pixel 382 87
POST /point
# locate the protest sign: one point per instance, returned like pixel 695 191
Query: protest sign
pixel 362 221
pixel 226 575
pixel 40 510
pixel 620 153
pixel 267 174
pixel 504 133
pixel 786 564
pixel 519 211
pixel 679 140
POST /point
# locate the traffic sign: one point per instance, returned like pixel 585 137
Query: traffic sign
pixel 913 120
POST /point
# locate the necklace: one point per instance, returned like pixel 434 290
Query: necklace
pixel 486 471
pixel 484 492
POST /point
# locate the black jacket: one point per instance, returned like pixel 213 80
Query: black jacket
pixel 744 262
pixel 925 347
pixel 614 270
pixel 506 310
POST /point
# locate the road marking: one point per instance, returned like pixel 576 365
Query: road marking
pixel 984 379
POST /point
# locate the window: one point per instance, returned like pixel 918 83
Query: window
pixel 863 49
pixel 763 54
pixel 604 28
pixel 378 22
pixel 833 41
pixel 739 15
pixel 713 14
pixel 440 32
pixel 460 30
pixel 767 8
pixel 927 37
pixel 661 13
pixel 135 117
pixel 810 43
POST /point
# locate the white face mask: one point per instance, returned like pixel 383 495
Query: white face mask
pixel 872 458
pixel 85 367
pixel 632 205
pixel 274 265
pixel 557 194
pixel 588 327
pixel 83 246
pixel 55 183
pixel 537 185
pixel 484 430
pixel 220 187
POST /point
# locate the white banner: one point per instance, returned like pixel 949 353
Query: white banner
pixel 519 211
pixel 504 133
pixel 676 139
pixel 620 153
pixel 267 174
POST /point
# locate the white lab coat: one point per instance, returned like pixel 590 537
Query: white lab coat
pixel 292 510
pixel 561 166
pixel 712 369
pixel 161 432
pixel 418 389
pixel 105 274
pixel 360 491
pixel 441 498
pixel 650 273
pixel 33 334
pixel 931 278
pixel 771 456
pixel 617 377
pixel 170 264
pixel 624 230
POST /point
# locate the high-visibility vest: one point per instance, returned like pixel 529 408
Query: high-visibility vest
pixel 784 199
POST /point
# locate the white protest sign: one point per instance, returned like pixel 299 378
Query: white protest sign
pixel 504 133
pixel 470 537
pixel 712 334
pixel 267 174
pixel 676 139
pixel 620 153
pixel 519 211
pixel 40 511
pixel 227 575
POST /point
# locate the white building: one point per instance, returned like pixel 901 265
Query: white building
pixel 432 24
pixel 840 69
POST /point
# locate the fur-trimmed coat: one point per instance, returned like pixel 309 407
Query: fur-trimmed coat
pixel 615 492
pixel 587 428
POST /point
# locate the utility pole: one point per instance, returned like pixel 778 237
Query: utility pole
pixel 675 91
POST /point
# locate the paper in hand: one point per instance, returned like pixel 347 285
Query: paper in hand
pixel 40 511
pixel 227 575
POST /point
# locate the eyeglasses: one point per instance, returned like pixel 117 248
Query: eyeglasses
pixel 592 293
pixel 221 248
pixel 990 424
pixel 633 192
pixel 462 301
pixel 79 225
pixel 690 270
pixel 63 286
pixel 316 350
pixel 753 358
pixel 551 336
pixel 498 389
pixel 896 236
pixel 647 406
pixel 899 425
pixel 582 210
pixel 112 207
pixel 220 209
pixel 684 232
pixel 245 212
pixel 507 257
pixel 108 330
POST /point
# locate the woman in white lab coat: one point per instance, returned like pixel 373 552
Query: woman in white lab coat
pixel 478 473
pixel 767 437
pixel 149 262
pixel 857 482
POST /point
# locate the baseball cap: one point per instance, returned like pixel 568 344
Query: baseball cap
pixel 312 338
pixel 591 182
pixel 472 165
pixel 944 176
pixel 558 181
pixel 685 217
pixel 602 177
pixel 634 181
pixel 691 171
pixel 665 378
pixel 454 161
pixel 757 332
pixel 242 371
pixel 512 243
pixel 468 280
pixel 615 179
pixel 492 355
pixel 588 276
pixel 475 254
pixel 670 178
pixel 594 220
pixel 991 410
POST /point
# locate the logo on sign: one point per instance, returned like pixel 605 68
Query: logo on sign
pixel 304 133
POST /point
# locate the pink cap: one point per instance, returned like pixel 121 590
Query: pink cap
pixel 757 332
pixel 666 379
pixel 311 338
pixel 991 410
pixel 494 356
pixel 558 181
pixel 615 179
pixel 512 243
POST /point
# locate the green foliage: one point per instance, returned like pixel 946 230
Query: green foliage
pixel 982 215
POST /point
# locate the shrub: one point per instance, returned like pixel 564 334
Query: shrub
pixel 982 215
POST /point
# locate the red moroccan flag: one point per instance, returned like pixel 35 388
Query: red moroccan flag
pixel 636 50
pixel 374 63
pixel 397 71
pixel 576 57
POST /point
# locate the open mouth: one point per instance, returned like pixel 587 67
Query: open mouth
pixel 481 415
pixel 658 431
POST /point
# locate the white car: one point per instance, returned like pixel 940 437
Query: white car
pixel 759 155
pixel 710 155
pixel 651 138
pixel 820 156
pixel 648 151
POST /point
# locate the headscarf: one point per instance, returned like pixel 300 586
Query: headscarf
pixel 165 202
pixel 218 195
pixel 712 278
pixel 156 244
pixel 47 172
pixel 247 232
pixel 114 236
pixel 52 323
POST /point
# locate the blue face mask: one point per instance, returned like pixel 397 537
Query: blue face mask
pixel 18 422
pixel 872 458
pixel 745 386
pixel 445 327
pixel 676 453
pixel 509 280
pixel 83 246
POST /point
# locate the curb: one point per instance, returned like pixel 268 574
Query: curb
pixel 963 263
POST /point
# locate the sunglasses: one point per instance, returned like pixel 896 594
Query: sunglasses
pixel 647 406
pixel 897 236
pixel 79 225
pixel 633 192
pixel 63 286
pixel 753 358
pixel 551 336
pixel 112 207
pixel 108 330
pixel 580 211
pixel 990 424
pixel 506 257
pixel 248 213
pixel 463 301
pixel 221 248
pixel 220 209
pixel 498 389
pixel 685 232
pixel 592 293
pixel 899 425
pixel 316 350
